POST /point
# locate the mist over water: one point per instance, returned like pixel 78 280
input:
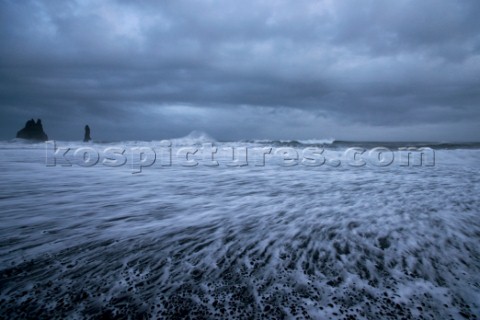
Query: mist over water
pixel 240 242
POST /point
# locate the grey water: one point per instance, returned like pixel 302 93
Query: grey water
pixel 247 242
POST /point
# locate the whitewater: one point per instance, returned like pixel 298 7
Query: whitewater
pixel 246 242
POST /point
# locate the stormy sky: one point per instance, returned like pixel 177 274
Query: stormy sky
pixel 269 69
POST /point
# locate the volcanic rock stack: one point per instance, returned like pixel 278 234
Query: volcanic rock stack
pixel 33 131
pixel 87 134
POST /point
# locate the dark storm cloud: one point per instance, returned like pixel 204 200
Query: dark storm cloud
pixel 278 69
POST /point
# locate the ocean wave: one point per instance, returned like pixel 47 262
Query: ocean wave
pixel 295 143
pixel 197 138
pixel 193 138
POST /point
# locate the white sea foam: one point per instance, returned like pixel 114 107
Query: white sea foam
pixel 317 141
pixel 247 242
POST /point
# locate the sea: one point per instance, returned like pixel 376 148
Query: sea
pixel 196 228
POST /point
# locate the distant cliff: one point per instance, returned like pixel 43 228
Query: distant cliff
pixel 33 131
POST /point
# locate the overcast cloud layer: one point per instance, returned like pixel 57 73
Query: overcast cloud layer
pixel 351 70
